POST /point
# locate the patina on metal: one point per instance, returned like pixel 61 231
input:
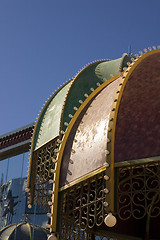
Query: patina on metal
pixel 80 162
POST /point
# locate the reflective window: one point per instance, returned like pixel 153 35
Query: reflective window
pixel 14 167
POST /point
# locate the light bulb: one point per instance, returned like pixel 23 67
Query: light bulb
pixel 52 237
pixel 27 190
pixel 70 116
pixel 110 220
pixel 106 177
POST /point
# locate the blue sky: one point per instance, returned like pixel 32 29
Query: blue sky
pixel 43 43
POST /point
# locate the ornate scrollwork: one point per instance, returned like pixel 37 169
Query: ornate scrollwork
pixel 139 191
pixel 82 207
pixel 45 163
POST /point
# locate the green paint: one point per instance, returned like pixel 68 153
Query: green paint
pixel 49 123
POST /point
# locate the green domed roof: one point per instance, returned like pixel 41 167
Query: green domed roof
pixel 50 118
pixel 59 109
pixel 25 231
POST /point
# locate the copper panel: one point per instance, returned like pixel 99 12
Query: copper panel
pixel 86 144
pixel 138 124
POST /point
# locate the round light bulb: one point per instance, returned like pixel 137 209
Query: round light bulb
pixel 110 220
pixel 52 237
pixel 27 190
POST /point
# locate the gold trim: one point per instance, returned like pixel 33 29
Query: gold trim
pixel 81 179
pixel 74 80
pixel 50 141
pixel 137 162
pixel 15 229
pixel 34 133
pixel 4 228
pixel 62 147
pixel 30 231
pixel 125 76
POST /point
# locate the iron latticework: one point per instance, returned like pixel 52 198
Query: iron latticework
pixel 44 159
pixel 139 191
pixel 82 208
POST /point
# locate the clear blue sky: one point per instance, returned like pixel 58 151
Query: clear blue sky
pixel 43 43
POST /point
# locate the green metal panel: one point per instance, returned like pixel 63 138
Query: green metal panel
pixel 57 109
pixel 87 79
pixel 105 69
pixel 49 122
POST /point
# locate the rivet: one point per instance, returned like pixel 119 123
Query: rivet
pixel 27 190
pixel 75 108
pixel 66 124
pixel 49 215
pixel 71 161
pixel 50 191
pixel 51 181
pixel 106 190
pixel 92 89
pixel 56 150
pixel 106 177
pixel 86 95
pixel 54 160
pixel 107 152
pixel 69 172
pixel 73 151
pixel 48 225
pixel 105 204
pixel 50 203
pixel 70 116
pixel 106 164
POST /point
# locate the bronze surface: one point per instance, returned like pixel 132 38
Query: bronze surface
pixel 86 145
pixel 138 121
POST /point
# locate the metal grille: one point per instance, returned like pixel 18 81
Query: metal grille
pixel 82 207
pixel 43 183
pixel 139 191
pixel 45 162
